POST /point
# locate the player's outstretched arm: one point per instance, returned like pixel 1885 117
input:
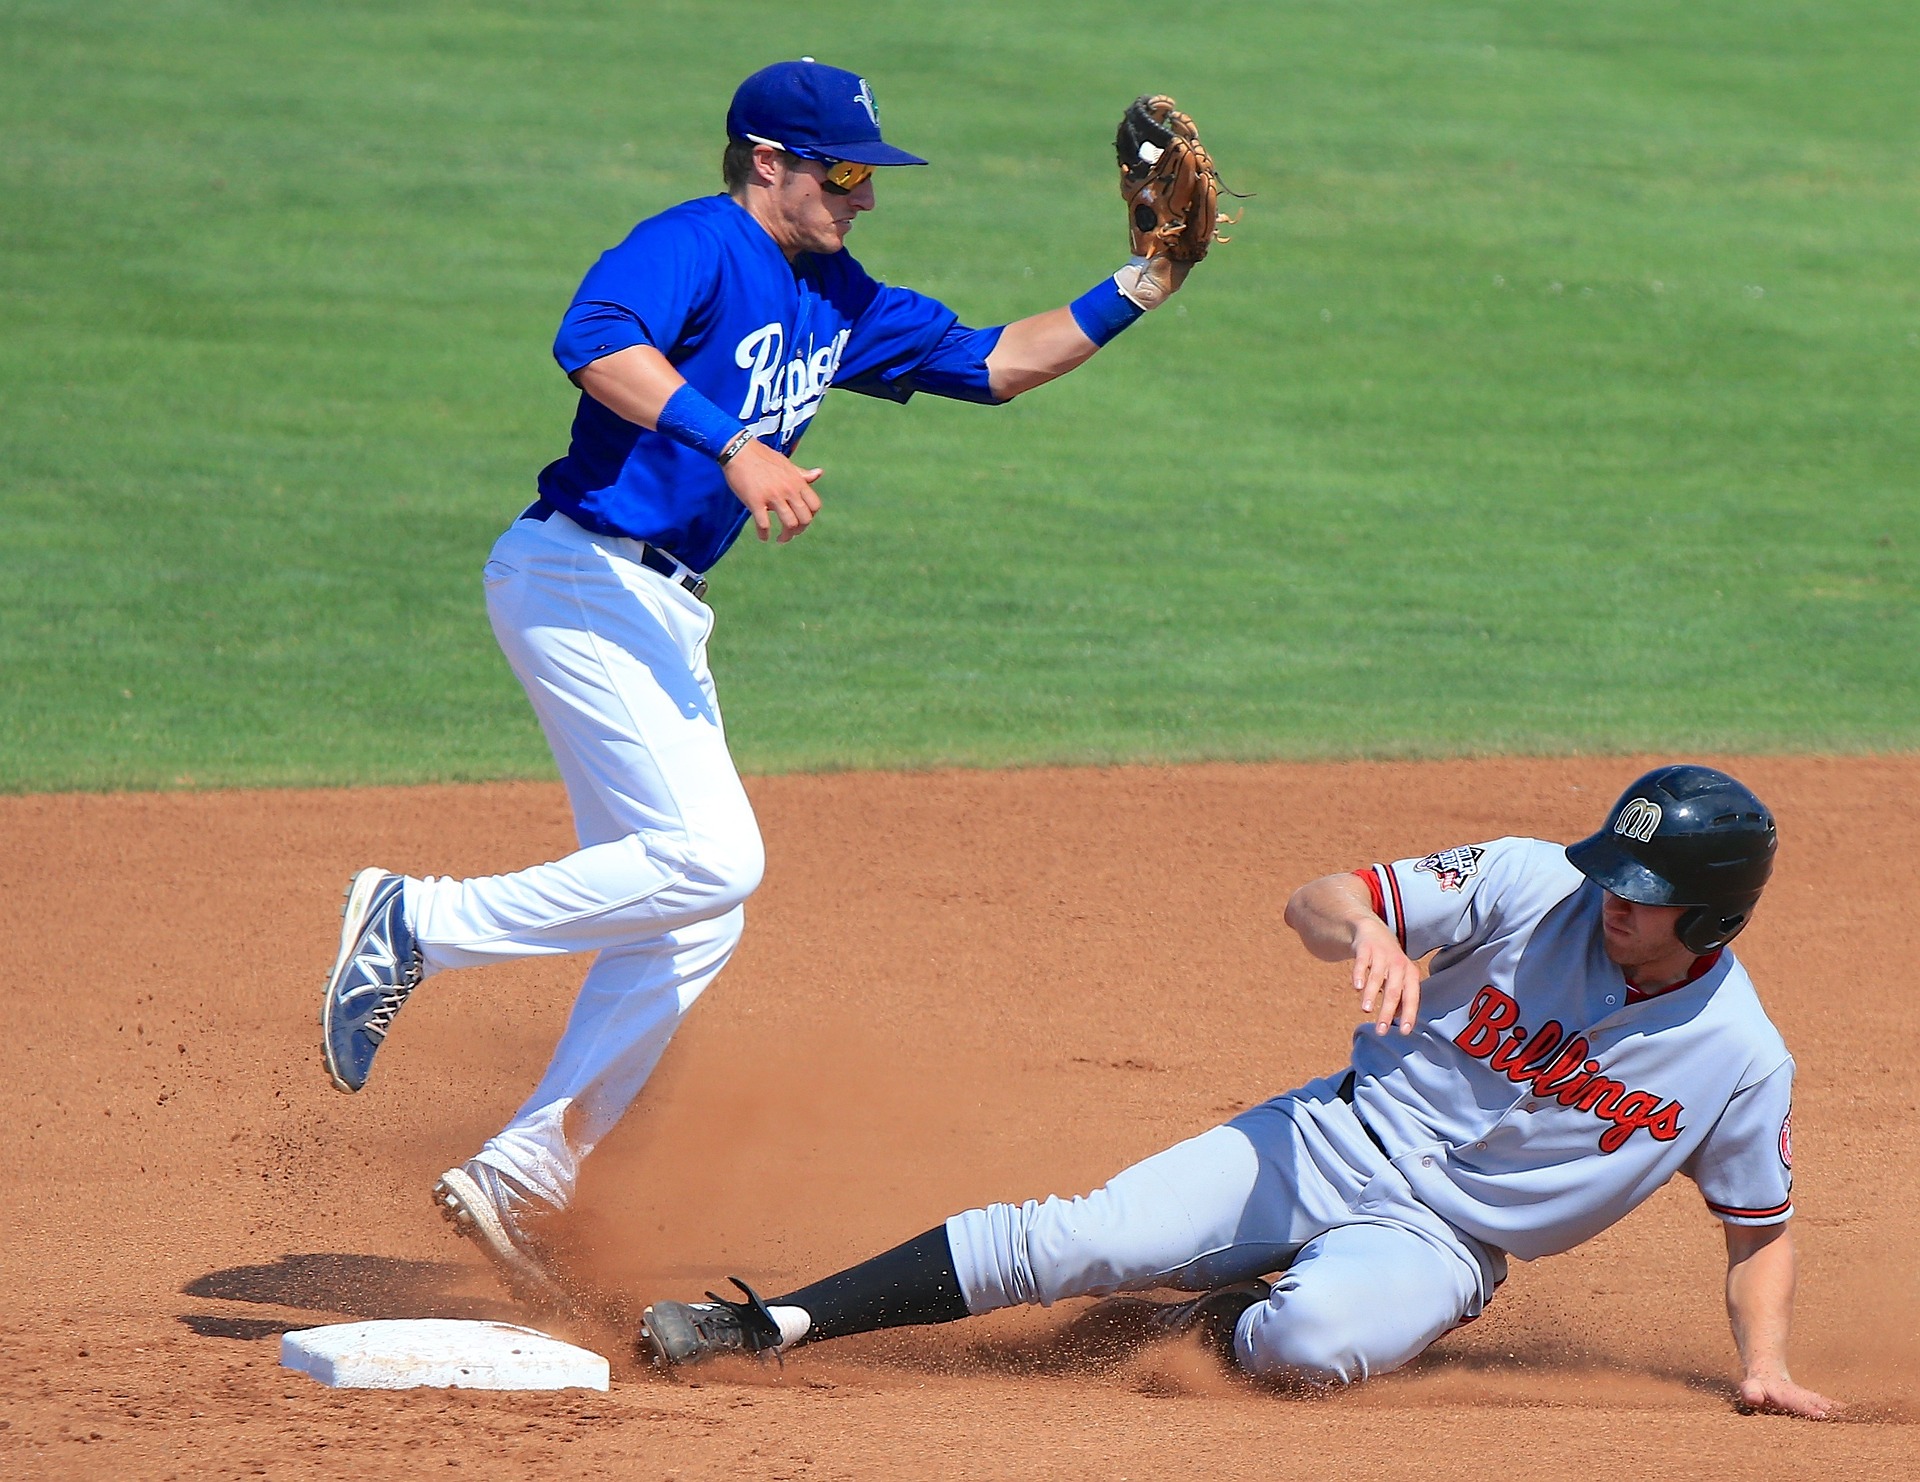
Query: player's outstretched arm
pixel 1335 919
pixel 637 384
pixel 1034 351
pixel 1044 347
pixel 1760 1279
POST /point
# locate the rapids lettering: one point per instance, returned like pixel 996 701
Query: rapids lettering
pixel 1557 1066
pixel 792 387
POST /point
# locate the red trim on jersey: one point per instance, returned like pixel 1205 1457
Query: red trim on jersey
pixel 1373 889
pixel 1727 1211
pixel 1701 967
pixel 1393 914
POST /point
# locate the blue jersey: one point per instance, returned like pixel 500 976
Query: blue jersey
pixel 760 337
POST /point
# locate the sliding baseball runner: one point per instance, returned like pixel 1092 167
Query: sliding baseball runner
pixel 1586 1033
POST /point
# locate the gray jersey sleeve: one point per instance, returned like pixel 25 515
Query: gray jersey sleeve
pixel 1443 899
pixel 1745 1166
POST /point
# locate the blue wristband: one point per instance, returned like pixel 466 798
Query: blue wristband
pixel 694 422
pixel 1103 311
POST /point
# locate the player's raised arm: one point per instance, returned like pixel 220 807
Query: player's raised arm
pixel 1335 920
pixel 1039 349
pixel 1034 351
pixel 1760 1280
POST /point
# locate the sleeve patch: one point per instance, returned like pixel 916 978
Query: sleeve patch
pixel 1452 868
pixel 1786 1141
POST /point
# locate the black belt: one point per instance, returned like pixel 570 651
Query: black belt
pixel 651 556
pixel 1346 1095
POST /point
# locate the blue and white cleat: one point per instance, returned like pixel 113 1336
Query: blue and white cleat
pixel 378 966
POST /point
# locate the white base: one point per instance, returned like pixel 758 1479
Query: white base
pixel 439 1353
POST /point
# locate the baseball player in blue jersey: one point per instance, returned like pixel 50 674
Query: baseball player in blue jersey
pixel 702 346
pixel 1584 1034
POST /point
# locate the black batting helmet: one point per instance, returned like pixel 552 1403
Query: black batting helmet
pixel 1685 836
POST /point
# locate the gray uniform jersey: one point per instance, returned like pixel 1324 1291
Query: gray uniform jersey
pixel 1535 1104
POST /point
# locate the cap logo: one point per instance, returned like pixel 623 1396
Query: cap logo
pixel 1638 820
pixel 865 99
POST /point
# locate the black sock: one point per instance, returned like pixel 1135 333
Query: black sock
pixel 910 1286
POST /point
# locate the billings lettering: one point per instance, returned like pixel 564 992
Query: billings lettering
pixel 1562 1072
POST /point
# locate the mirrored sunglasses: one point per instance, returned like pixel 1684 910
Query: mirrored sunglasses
pixel 844 175
pixel 841 177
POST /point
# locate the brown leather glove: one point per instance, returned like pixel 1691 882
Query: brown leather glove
pixel 1169 183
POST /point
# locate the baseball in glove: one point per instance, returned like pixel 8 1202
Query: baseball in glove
pixel 1172 191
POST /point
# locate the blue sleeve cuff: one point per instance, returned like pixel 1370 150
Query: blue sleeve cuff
pixel 1103 311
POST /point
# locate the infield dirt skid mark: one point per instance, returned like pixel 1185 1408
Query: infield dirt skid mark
pixel 949 988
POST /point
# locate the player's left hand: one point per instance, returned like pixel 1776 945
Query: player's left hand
pixel 1387 980
pixel 1169 184
pixel 1779 1395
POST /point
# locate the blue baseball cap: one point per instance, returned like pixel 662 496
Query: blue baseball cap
pixel 813 110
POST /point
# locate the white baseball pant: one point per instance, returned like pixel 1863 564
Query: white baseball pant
pixel 1370 1276
pixel 614 658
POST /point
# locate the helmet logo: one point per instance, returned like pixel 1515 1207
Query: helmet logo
pixel 865 99
pixel 1638 820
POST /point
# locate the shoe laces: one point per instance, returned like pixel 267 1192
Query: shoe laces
pixel 391 1001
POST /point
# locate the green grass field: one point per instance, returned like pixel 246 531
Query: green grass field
pixel 1557 392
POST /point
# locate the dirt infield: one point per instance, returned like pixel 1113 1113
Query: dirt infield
pixel 955 987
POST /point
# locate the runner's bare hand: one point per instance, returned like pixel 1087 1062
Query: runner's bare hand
pixel 1387 980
